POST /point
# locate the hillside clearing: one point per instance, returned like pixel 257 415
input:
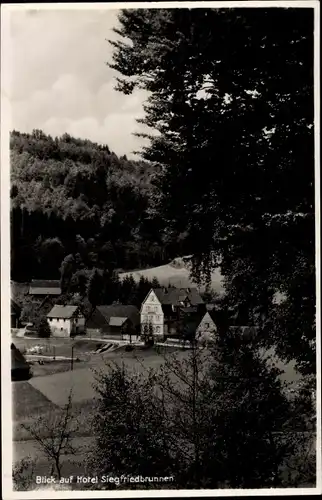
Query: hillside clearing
pixel 177 274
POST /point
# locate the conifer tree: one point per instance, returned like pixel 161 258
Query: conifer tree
pixel 94 288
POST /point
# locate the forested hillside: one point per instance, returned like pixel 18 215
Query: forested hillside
pixel 74 197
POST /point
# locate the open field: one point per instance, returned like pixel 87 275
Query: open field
pixel 28 401
pixel 52 367
pixel 44 395
pixel 81 381
pixel 175 273
pixel 55 383
pixel 82 412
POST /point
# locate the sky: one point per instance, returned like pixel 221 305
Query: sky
pixel 60 81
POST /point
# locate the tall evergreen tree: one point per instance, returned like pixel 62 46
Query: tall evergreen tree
pixel 43 328
pixel 231 97
pixel 94 288
pixel 155 283
pixel 66 272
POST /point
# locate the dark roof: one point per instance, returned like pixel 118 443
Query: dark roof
pixel 175 296
pixel 59 311
pixel 116 321
pixel 120 311
pixel 45 287
pixel 214 315
pixel 17 359
pixel 45 283
pixel 188 310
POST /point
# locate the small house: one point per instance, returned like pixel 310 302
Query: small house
pixel 207 328
pixel 45 288
pixel 115 321
pixel 20 369
pixel 66 321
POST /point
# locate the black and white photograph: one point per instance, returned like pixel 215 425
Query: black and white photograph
pixel 160 249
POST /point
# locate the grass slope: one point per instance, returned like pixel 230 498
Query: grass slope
pixel 175 273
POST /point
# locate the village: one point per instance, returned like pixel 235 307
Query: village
pixel 47 370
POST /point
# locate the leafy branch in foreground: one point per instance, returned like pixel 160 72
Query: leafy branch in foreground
pixel 210 419
pixel 54 435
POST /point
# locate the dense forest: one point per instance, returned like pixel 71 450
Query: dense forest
pixel 76 199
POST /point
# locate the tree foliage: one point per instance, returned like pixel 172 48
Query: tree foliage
pixel 210 421
pixel 230 109
pixel 43 328
pixel 74 197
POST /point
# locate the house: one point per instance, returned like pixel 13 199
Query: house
pixel 207 328
pixel 164 309
pixel 15 314
pixel 20 369
pixel 44 288
pixel 66 321
pixel 117 321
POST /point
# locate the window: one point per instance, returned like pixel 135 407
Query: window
pixel 157 329
pixel 207 325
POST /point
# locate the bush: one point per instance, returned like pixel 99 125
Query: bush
pixel 43 328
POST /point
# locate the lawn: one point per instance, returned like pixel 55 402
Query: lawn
pixel 56 382
pixel 51 367
pixel 45 393
pixel 82 412
pixel 81 381
pixel 28 401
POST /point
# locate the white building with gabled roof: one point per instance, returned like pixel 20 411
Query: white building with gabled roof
pixel 65 321
pixel 152 314
pixel 207 328
pixel 163 310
